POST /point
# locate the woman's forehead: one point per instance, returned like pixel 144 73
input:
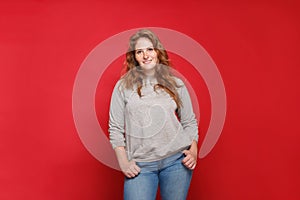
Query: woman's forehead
pixel 143 43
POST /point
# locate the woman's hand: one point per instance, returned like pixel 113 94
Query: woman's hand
pixel 190 160
pixel 129 168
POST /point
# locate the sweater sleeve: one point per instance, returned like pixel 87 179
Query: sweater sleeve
pixel 186 114
pixel 116 117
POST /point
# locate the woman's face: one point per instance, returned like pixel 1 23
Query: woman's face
pixel 146 55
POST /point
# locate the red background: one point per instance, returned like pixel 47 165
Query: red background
pixel 255 45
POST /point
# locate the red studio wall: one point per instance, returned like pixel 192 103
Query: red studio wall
pixel 254 44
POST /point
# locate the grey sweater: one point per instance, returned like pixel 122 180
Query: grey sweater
pixel 148 126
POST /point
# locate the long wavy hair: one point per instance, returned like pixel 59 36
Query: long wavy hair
pixel 134 75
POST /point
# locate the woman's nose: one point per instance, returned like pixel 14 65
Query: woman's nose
pixel 145 54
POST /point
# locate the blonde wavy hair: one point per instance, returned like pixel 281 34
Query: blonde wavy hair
pixel 134 75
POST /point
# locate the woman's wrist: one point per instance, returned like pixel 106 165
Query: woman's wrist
pixel 193 147
pixel 121 155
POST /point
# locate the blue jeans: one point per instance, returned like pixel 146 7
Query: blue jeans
pixel 172 177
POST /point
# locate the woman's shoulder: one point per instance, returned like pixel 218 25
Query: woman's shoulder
pixel 179 82
pixel 120 86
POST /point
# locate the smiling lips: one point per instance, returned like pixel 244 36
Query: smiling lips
pixel 147 61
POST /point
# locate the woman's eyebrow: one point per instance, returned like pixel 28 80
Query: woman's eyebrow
pixel 144 48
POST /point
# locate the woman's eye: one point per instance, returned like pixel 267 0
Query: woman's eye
pixel 150 49
pixel 138 52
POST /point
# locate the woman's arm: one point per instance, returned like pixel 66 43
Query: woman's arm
pixel 116 132
pixel 190 127
pixel 186 115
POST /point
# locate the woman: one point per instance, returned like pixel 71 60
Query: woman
pixel 152 125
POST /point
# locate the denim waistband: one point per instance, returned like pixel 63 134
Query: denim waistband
pixel 160 164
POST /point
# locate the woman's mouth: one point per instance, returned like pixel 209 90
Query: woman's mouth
pixel 147 61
